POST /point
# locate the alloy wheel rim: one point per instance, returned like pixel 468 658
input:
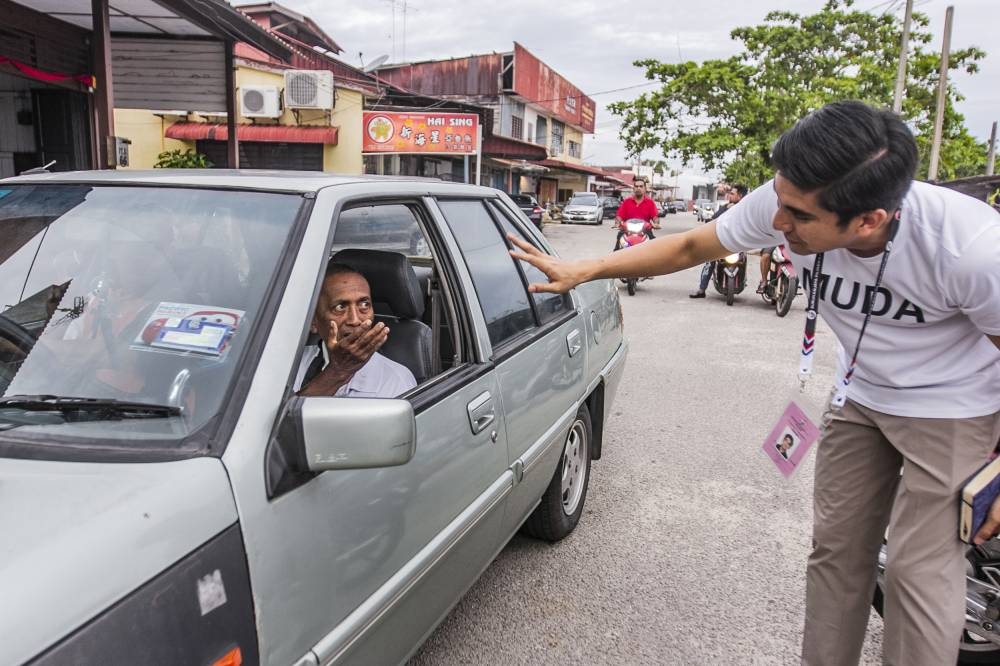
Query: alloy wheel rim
pixel 574 468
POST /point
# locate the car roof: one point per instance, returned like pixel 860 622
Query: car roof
pixel 253 179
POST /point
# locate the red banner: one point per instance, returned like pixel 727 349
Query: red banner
pixel 440 133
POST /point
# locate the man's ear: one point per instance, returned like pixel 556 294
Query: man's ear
pixel 873 221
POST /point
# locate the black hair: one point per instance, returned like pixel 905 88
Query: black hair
pixel 741 189
pixel 858 158
pixel 336 268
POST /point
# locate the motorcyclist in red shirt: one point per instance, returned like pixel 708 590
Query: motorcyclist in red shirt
pixel 638 206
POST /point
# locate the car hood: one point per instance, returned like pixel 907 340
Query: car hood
pixel 581 209
pixel 77 537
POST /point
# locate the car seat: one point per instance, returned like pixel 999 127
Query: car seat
pixel 399 301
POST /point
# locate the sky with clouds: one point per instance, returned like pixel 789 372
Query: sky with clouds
pixel 593 44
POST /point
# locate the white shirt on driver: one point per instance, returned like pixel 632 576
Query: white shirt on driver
pixel 380 377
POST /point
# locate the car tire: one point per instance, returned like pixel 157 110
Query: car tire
pixel 561 506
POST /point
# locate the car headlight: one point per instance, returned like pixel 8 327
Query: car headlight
pixel 199 611
pixel 732 259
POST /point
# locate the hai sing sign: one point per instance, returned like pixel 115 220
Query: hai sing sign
pixel 424 133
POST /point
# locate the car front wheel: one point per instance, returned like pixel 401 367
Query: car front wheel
pixel 562 504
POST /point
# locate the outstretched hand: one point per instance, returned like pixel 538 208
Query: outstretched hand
pixel 563 275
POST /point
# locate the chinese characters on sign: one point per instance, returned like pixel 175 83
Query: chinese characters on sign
pixel 394 132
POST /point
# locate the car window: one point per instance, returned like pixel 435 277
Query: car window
pixel 136 294
pixel 388 227
pixel 501 292
pixel 548 306
pixel 583 200
pixel 522 199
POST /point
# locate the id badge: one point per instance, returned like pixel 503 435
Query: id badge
pixel 793 434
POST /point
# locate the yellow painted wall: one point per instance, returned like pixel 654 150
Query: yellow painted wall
pixel 571 134
pixel 145 130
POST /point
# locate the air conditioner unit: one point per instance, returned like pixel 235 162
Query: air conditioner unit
pixel 309 89
pixel 259 102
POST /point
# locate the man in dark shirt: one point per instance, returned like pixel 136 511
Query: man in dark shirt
pixel 733 197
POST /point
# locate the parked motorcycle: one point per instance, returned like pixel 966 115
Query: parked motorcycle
pixel 729 275
pixel 634 233
pixel 782 283
pixel 980 639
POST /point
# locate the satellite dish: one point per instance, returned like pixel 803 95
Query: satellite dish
pixel 375 64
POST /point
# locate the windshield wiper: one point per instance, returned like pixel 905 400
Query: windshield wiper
pixel 88 409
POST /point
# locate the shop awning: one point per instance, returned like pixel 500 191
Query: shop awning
pixel 268 133
pixel 521 166
pixel 582 168
pixel 512 149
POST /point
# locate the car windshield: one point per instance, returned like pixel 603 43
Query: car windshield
pixel 522 199
pixel 583 200
pixel 124 311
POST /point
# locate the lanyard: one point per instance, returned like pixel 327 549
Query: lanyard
pixel 812 312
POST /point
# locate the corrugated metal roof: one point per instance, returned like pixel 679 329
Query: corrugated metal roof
pixel 466 77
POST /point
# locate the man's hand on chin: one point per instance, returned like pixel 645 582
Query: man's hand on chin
pixel 348 353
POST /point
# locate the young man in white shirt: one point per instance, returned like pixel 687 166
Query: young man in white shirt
pixel 925 395
pixel 346 362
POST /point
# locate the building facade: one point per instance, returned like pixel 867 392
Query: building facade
pixel 539 118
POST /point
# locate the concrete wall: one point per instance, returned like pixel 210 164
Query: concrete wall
pixel 145 131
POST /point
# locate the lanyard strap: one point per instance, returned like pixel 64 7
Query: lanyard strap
pixel 812 313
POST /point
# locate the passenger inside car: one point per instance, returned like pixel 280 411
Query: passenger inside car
pixel 345 361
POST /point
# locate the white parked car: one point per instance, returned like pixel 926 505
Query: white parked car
pixel 584 207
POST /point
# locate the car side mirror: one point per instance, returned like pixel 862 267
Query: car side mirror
pixel 352 433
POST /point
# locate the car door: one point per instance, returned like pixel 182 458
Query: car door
pixel 356 566
pixel 538 347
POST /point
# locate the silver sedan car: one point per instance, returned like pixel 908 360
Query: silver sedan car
pixel 169 497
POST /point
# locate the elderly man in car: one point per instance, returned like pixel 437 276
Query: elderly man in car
pixel 346 362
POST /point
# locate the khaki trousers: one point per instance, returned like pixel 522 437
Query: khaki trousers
pixel 858 492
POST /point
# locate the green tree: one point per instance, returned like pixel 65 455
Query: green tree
pixel 182 159
pixel 728 113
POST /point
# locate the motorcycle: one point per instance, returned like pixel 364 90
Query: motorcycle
pixel 782 283
pixel 635 233
pixel 729 275
pixel 980 639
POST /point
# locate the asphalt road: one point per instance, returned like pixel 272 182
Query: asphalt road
pixel 692 548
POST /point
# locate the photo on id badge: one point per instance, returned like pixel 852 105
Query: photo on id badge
pixel 790 439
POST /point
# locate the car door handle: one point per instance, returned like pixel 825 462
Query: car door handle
pixel 574 342
pixel 481 412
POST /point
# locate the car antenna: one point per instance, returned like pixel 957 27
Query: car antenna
pixel 41 169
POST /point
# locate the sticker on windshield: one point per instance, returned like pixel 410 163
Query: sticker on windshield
pixel 184 327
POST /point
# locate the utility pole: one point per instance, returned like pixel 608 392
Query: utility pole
pixel 904 47
pixel 992 153
pixel 942 92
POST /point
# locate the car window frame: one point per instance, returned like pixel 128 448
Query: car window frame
pixel 467 370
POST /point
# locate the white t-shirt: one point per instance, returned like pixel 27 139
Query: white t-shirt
pixel 380 377
pixel 924 353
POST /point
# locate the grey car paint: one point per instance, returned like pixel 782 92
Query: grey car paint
pixel 358 566
pixel 122 524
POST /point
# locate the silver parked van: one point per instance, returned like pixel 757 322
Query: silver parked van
pixel 166 496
